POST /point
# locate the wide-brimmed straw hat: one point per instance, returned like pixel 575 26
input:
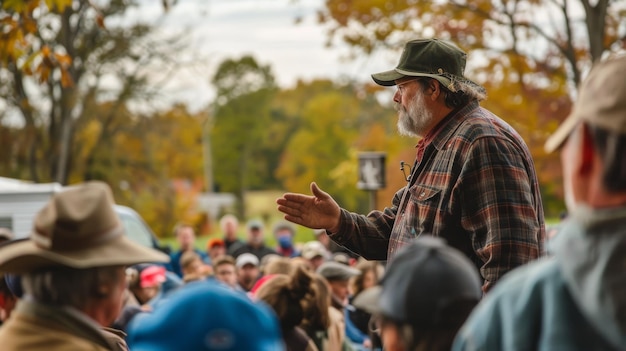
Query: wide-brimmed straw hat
pixel 77 228
pixel 433 58
pixel 601 102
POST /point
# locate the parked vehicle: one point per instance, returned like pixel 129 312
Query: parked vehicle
pixel 21 200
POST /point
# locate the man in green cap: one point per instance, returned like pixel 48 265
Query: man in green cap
pixel 473 181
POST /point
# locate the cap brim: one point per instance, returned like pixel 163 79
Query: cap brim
pixel 24 256
pixel 367 300
pixel 348 274
pixel 312 255
pixel 557 139
pixel 387 78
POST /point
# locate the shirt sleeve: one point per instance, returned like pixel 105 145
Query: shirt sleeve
pixel 368 235
pixel 499 207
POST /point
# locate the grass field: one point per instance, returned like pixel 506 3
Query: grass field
pixel 262 205
pixel 259 205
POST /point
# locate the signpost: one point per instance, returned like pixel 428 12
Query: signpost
pixel 371 174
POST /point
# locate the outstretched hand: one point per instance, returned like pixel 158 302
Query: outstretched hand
pixel 319 211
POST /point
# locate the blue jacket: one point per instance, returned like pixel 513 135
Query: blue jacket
pixel 174 265
pixel 572 301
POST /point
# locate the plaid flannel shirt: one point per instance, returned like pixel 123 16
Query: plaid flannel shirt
pixel 475 186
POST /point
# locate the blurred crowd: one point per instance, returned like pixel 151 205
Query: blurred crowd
pixel 79 283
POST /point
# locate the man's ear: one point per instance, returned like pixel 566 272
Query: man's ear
pixel 433 89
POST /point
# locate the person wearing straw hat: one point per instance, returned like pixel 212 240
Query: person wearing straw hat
pixel 473 181
pixel 575 299
pixel 72 271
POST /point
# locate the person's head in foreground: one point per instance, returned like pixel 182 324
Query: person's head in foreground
pixel 427 293
pixel 286 295
pixel 72 271
pixel 206 316
pixel 575 299
pixel 592 140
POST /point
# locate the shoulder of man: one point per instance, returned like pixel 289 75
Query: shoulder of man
pixel 512 310
pixel 482 123
pixel 116 338
pixel 237 249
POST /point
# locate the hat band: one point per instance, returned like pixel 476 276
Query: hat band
pixel 45 241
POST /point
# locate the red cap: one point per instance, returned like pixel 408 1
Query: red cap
pixel 260 283
pixel 152 276
pixel 215 242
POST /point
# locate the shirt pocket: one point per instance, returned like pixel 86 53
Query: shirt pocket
pixel 422 208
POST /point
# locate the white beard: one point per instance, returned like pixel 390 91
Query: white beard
pixel 414 120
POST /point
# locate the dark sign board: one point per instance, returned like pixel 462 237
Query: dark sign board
pixel 371 170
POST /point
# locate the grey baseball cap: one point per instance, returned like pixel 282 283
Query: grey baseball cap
pixel 332 270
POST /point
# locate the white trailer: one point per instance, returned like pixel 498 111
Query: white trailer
pixel 19 202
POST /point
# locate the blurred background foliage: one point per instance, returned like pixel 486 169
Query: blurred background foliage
pixel 69 88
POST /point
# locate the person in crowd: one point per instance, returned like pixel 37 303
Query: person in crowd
pixel 215 248
pixel 427 293
pixel 371 273
pixel 284 233
pixel 266 260
pixel 326 332
pixel 315 253
pixel 207 316
pixel 229 224
pixel 331 246
pixel 193 267
pixel 186 237
pixel 473 181
pixel 256 242
pixel 281 265
pixel 344 258
pixel 248 271
pixel 338 276
pixel 286 295
pixel 145 282
pixel 226 271
pixel 72 271
pixel 573 300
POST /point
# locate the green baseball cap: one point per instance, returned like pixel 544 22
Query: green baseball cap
pixel 434 58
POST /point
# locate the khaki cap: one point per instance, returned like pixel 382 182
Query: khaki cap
pixel 601 102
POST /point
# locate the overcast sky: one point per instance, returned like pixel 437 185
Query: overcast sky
pixel 266 29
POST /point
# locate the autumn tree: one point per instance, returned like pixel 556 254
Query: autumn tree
pixel 58 58
pixel 242 119
pixel 336 121
pixel 529 54
pixel 152 162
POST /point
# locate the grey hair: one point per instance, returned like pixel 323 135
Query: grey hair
pixel 64 286
pixel 228 218
pixel 459 92
pixel 470 89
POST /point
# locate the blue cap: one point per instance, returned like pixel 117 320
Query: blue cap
pixel 205 315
